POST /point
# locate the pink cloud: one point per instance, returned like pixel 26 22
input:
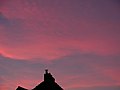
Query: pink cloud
pixel 31 30
pixel 44 32
pixel 51 47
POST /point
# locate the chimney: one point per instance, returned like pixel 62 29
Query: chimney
pixel 48 77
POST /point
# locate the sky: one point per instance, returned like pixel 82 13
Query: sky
pixel 77 40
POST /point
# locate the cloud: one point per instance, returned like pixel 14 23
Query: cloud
pixel 80 38
pixel 101 88
pixel 17 72
pixel 29 31
pixel 71 72
pixel 88 70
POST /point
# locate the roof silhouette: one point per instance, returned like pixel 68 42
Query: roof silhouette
pixel 48 83
pixel 21 88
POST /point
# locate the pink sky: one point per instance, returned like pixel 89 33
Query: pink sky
pixel 78 40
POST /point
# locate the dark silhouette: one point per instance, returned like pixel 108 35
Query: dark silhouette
pixel 20 88
pixel 48 83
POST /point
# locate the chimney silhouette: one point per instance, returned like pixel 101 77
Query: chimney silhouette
pixel 48 77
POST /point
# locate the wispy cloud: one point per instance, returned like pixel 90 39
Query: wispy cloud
pixel 77 40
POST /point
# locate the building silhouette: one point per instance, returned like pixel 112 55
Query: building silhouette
pixel 21 88
pixel 48 83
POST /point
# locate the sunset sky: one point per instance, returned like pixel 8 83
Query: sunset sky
pixel 77 40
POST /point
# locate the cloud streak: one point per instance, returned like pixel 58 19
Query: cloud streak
pixel 55 40
pixel 77 40
pixel 74 71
